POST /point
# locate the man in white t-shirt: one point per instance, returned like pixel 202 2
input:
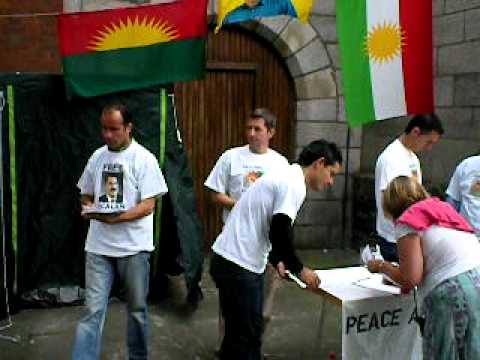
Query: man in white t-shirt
pixel 463 192
pixel 260 229
pixel 120 236
pixel 236 170
pixel 399 158
pixel 239 167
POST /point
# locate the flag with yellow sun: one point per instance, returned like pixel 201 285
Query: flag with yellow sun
pixel 130 48
pixel 387 58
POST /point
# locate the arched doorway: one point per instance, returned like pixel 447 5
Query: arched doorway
pixel 243 72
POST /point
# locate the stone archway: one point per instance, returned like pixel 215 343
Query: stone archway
pixel 310 52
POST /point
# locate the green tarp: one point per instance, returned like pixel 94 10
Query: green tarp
pixel 46 142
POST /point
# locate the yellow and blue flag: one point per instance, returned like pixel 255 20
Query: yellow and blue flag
pixel 233 11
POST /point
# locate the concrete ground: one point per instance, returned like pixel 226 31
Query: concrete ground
pixel 179 332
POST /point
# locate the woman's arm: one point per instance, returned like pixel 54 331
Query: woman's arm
pixel 409 273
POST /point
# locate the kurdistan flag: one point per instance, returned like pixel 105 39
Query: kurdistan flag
pixel 130 48
pixel 387 58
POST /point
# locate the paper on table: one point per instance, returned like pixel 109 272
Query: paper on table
pixel 375 281
pixel 342 276
pixel 340 283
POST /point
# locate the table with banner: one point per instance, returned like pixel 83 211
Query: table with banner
pixel 377 322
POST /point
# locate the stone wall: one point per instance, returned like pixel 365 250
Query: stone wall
pixel 457 101
pixel 313 60
pixel 457 95
pixel 310 52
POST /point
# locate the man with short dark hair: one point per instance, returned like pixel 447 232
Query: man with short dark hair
pixel 261 223
pixel 399 158
pixel 118 244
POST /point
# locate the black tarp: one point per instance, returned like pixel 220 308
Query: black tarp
pixel 47 140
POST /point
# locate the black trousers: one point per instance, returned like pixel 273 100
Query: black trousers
pixel 241 303
pixel 387 249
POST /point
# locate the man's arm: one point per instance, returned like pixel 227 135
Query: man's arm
pixel 217 182
pixel 142 209
pixel 283 255
pixel 86 200
pixel 222 199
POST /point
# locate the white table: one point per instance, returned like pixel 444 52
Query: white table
pixel 375 324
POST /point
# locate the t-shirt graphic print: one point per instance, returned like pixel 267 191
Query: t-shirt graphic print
pixel 250 177
pixel 475 186
pixel 112 198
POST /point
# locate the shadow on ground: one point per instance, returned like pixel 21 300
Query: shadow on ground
pixel 179 332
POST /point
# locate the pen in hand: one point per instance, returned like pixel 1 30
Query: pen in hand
pixel 296 279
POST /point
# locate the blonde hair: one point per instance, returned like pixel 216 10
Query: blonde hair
pixel 400 194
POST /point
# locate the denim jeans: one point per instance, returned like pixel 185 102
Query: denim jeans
pixel 241 303
pixel 133 272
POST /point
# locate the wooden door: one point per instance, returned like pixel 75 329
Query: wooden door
pixel 243 73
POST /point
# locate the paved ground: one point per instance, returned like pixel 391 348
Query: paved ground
pixel 181 333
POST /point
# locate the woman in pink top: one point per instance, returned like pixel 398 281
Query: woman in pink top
pixel 440 254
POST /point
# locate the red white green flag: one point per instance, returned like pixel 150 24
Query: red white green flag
pixel 387 58
pixel 130 48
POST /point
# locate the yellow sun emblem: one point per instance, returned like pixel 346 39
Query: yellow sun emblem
pixel 384 42
pixel 134 33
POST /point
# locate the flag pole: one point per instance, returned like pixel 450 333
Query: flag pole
pixel 345 189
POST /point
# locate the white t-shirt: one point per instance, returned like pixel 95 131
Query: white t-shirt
pixel 244 239
pixel 465 187
pixel 238 168
pixel 138 177
pixel 395 160
pixel 446 253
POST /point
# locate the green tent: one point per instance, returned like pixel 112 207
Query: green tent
pixel 46 140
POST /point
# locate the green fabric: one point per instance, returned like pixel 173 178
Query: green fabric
pixel 99 73
pixel 57 137
pixel 180 208
pixel 161 157
pixel 13 175
pixel 357 89
pixel 163 124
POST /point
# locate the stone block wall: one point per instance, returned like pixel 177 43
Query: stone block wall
pixel 457 95
pixel 457 99
pixel 310 52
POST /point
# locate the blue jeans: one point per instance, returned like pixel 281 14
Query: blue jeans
pixel 133 272
pixel 241 303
